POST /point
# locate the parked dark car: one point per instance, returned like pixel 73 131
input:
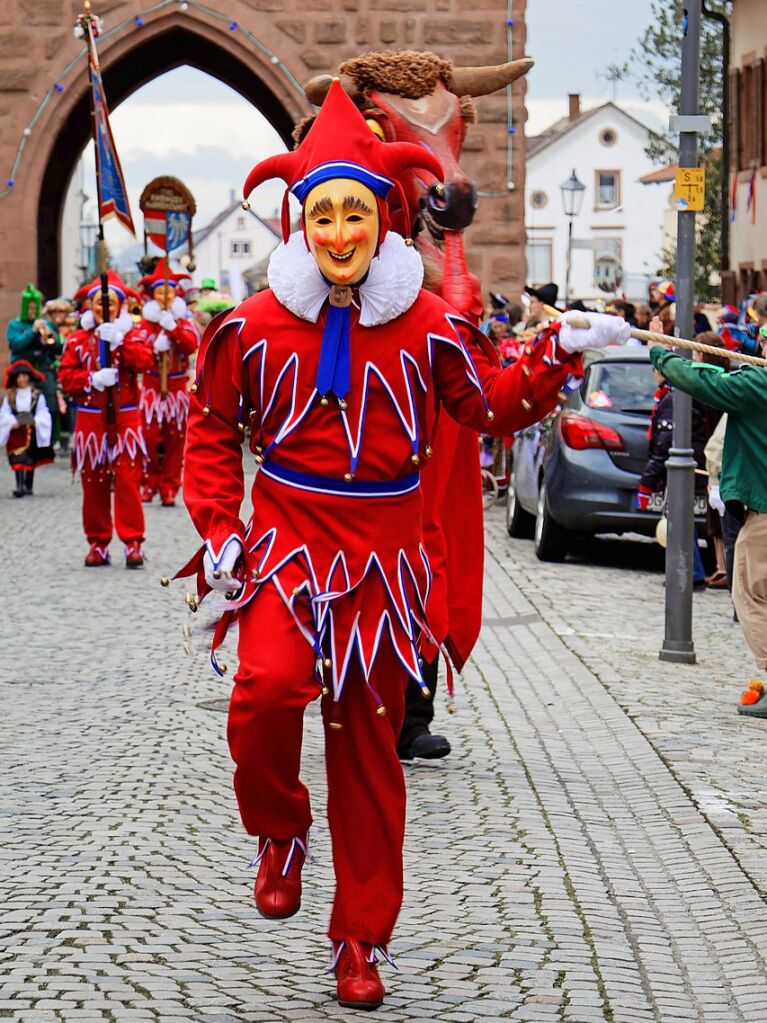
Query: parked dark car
pixel 577 471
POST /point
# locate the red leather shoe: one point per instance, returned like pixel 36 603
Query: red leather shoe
pixel 278 882
pixel 97 556
pixel 167 499
pixel 134 556
pixel 147 493
pixel 358 985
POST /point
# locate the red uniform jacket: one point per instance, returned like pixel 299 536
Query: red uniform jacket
pixel 93 444
pixel 174 405
pixel 337 506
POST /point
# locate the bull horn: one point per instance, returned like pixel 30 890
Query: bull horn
pixel 480 81
pixel 316 89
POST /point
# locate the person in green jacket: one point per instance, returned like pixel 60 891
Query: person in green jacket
pixel 34 338
pixel 742 487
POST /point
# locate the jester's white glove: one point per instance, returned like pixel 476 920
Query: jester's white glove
pixel 218 568
pixel 106 377
pixel 110 333
pixel 603 330
pixel 167 320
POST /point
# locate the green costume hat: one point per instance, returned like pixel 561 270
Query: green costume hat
pixel 208 282
pixel 29 295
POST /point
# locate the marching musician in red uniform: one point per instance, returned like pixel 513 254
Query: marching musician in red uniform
pixel 170 332
pixel 341 368
pixel 104 386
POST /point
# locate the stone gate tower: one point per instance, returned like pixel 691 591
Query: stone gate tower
pixel 44 107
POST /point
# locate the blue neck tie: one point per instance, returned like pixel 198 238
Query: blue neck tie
pixel 335 355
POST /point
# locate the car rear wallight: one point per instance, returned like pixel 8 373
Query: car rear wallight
pixel 580 432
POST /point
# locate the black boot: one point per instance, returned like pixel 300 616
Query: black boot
pixel 29 479
pixel 415 738
pixel 20 490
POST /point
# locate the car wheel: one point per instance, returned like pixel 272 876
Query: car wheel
pixel 519 523
pixel 550 539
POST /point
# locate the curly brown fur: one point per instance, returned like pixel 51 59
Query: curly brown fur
pixel 406 72
pixel 468 110
pixel 301 130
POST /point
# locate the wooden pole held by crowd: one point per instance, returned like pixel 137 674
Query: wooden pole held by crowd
pixel 666 339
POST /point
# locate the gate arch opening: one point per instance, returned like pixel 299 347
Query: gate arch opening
pixel 163 51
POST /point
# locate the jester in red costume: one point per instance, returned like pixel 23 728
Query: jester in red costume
pixel 99 370
pixel 341 367
pixel 168 329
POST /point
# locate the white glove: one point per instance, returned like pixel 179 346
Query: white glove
pixel 715 500
pixel 110 333
pixel 106 377
pixel 603 330
pixel 167 320
pixel 218 570
pixel 162 342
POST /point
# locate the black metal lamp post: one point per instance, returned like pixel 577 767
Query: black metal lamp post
pixel 573 192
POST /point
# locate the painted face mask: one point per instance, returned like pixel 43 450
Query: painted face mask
pixel 164 295
pixel 114 306
pixel 342 225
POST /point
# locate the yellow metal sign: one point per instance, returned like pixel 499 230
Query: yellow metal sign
pixel 689 188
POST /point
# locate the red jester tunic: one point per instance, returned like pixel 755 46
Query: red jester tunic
pixel 99 452
pixel 165 414
pixel 336 577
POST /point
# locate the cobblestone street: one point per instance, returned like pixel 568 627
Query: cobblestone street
pixel 592 852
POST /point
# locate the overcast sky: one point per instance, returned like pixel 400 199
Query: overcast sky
pixel 210 137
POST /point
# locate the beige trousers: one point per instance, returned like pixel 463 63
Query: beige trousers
pixel 749 584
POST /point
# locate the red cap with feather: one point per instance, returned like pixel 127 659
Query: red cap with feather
pixel 341 145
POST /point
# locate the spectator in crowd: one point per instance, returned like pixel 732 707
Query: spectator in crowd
pixel 742 486
pixel 541 297
pixel 642 316
pixel 661 428
pixel 619 307
pixel 32 338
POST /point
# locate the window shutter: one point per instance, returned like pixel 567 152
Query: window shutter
pixel 755 104
pixel 734 125
pixel 760 100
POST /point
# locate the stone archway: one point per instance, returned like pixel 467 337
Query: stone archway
pixel 307 36
pixel 168 47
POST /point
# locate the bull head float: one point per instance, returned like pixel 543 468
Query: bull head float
pixel 423 99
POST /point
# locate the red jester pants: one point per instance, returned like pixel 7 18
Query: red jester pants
pixel 97 502
pixel 163 471
pixel 366 787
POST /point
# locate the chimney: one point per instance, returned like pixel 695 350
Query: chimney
pixel 233 196
pixel 574 106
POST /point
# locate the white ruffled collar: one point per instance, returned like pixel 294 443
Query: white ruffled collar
pixel 124 321
pixel 392 285
pixel 152 309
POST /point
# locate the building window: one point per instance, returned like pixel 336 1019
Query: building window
pixel 239 248
pixel 241 223
pixel 539 264
pixel 608 137
pixel 538 199
pixel 608 189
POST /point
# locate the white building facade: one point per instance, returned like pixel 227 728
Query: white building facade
pixel 748 150
pixel 232 243
pixel 621 218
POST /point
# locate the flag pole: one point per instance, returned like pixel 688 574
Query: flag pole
pixel 105 352
pixel 165 356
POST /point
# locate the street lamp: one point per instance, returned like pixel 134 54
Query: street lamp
pixel 572 199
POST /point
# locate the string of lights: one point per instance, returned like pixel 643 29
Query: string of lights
pixel 137 21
